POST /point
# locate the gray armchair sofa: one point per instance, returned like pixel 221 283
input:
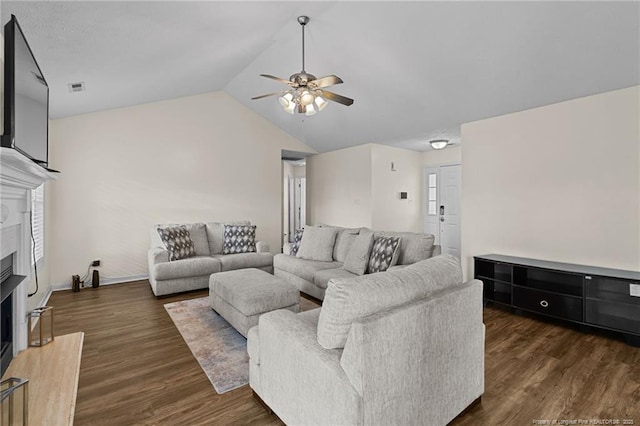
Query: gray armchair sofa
pixel 167 277
pixel 312 277
pixel 404 347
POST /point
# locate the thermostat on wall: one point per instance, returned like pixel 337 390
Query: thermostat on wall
pixel 403 195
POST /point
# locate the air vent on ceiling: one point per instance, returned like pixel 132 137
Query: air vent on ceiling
pixel 76 87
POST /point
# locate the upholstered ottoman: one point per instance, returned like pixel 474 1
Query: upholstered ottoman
pixel 241 296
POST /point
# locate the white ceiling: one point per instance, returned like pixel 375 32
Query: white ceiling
pixel 417 70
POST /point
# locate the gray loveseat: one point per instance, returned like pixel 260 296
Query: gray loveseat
pixel 404 347
pixel 312 276
pixel 167 277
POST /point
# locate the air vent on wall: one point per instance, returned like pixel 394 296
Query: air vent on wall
pixel 76 87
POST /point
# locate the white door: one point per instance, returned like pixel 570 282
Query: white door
pixel 449 209
pixel 442 206
pixel 300 203
pixel 292 208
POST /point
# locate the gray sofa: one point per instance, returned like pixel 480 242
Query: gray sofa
pixel 312 276
pixel 167 277
pixel 404 347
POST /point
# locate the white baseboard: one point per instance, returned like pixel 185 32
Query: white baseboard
pixel 45 299
pixel 103 281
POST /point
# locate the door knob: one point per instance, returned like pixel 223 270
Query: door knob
pixel 441 219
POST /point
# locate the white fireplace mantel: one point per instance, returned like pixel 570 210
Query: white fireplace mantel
pixel 18 175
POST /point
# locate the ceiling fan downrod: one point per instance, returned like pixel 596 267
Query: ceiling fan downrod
pixel 303 21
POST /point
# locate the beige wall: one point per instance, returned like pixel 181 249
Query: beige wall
pixel 389 212
pixel 339 187
pixel 355 187
pixel 198 158
pixel 558 183
pixel 449 155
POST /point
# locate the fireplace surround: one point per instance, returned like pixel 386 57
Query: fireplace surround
pixel 18 176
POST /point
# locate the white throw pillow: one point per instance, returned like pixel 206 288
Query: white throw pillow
pixel 317 244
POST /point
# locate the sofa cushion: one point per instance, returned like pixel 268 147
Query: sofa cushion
pixel 321 278
pixel 239 239
pixel 350 299
pixel 297 237
pixel 302 268
pixel 414 246
pixel 344 240
pixel 384 254
pixel 317 244
pixel 358 257
pixel 253 291
pixel 185 268
pixel 177 241
pixel 230 262
pixel 215 234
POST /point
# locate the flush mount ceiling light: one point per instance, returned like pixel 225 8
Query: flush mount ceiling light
pixel 439 143
pixel 306 94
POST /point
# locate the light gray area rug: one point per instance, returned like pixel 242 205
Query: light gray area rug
pixel 219 349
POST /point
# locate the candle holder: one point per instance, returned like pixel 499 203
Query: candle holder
pixel 15 402
pixel 42 333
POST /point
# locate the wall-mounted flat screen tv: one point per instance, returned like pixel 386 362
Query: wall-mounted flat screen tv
pixel 26 98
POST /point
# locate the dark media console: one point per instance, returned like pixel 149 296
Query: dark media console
pixel 602 298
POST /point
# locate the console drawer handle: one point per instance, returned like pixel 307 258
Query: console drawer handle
pixel 544 303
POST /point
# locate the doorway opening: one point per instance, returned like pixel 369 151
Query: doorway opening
pixel 294 194
pixel 442 215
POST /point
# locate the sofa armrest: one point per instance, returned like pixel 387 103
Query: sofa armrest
pixel 157 255
pixel 299 379
pixel 396 267
pixel 262 247
pixel 286 248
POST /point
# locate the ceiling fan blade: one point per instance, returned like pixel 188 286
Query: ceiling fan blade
pixel 337 98
pixel 329 80
pixel 264 96
pixel 273 77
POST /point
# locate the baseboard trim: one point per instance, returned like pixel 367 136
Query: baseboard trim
pixel 45 299
pixel 103 281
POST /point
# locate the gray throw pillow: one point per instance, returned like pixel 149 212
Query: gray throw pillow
pixel 358 258
pixel 317 244
pixel 239 239
pixel 177 241
pixel 384 254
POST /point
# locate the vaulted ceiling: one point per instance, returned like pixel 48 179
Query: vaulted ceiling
pixel 417 70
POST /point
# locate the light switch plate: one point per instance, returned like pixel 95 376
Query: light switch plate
pixel 634 290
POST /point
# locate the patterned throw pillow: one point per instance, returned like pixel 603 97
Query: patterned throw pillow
pixel 297 237
pixel 239 239
pixel 178 242
pixel 384 254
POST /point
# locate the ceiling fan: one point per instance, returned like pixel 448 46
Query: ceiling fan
pixel 306 94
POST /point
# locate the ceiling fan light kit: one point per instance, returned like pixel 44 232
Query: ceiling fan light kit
pixel 306 95
pixel 439 143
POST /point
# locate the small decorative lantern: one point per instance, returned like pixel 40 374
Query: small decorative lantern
pixel 14 410
pixel 43 331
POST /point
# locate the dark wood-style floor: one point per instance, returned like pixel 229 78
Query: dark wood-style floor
pixel 136 368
